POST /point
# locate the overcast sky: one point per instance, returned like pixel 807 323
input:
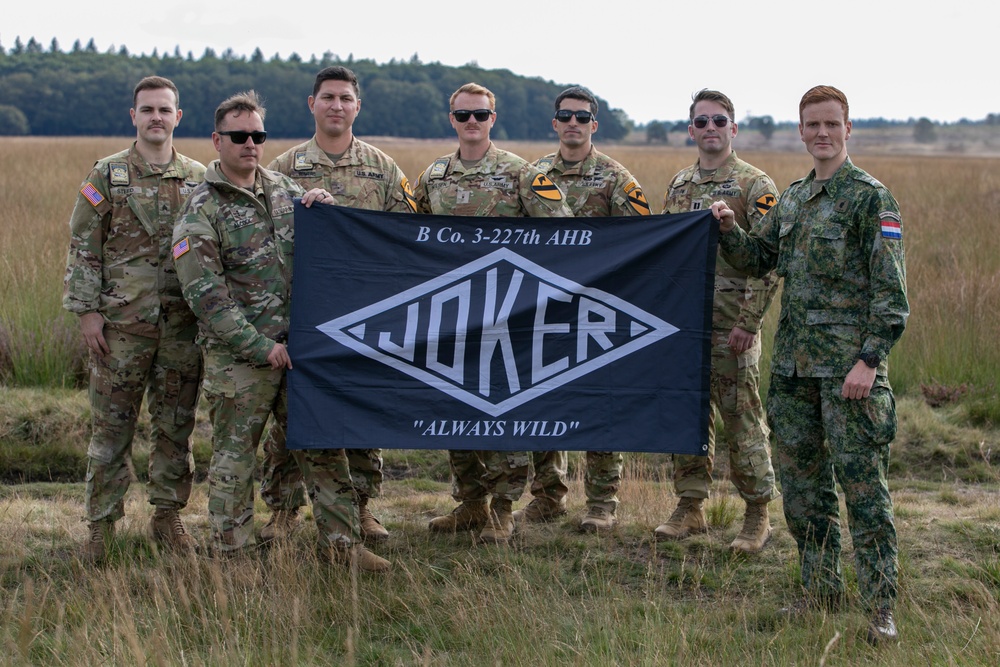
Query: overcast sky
pixel 892 58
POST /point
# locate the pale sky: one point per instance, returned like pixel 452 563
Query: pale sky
pixel 892 58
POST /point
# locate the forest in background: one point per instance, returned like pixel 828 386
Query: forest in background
pixel 85 92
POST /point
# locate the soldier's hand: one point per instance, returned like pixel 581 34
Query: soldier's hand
pixel 316 195
pixel 278 357
pixel 725 216
pixel 92 328
pixel 859 382
pixel 740 340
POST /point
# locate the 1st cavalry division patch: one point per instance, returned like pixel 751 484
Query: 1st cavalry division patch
pixel 636 198
pixel 765 202
pixel 546 189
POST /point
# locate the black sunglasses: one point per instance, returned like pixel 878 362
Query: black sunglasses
pixel 564 115
pixel 702 121
pixel 462 115
pixel 240 136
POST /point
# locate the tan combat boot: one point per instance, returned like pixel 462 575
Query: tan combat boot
pixel 500 528
pixel 167 530
pixel 99 536
pixel 470 515
pixel 756 530
pixel 598 520
pixel 358 556
pixel 540 510
pixel 371 528
pixel 687 519
pixel 281 526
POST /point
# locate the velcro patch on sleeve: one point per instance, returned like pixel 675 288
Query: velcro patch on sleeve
pixel 892 226
pixel 636 198
pixel 545 188
pixel 765 202
pixel 408 194
pixel 181 247
pixel 91 194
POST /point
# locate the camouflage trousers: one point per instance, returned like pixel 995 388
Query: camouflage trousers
pixel 281 481
pixel 821 439
pixel 476 474
pixel 168 371
pixel 241 396
pixel 601 481
pixel 735 394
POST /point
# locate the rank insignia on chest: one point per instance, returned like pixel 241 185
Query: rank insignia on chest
pixel 118 173
pixel 300 163
pixel 841 205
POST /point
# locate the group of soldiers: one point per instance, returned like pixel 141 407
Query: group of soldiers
pixel 181 277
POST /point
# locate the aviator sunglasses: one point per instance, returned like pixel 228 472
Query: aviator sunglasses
pixel 564 115
pixel 702 121
pixel 241 136
pixel 462 115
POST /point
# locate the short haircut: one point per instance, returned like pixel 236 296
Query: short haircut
pixel 818 94
pixel 578 93
pixel 473 89
pixel 248 101
pixel 155 83
pixel 705 94
pixel 337 73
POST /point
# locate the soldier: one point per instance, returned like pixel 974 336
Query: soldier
pixel 482 180
pixel 595 186
pixel 738 310
pixel 120 280
pixel 233 250
pixel 357 175
pixel 836 237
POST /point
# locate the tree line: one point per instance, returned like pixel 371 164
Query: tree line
pixel 48 92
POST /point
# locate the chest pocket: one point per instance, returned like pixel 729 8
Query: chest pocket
pixel 243 238
pixel 827 250
pixel 786 246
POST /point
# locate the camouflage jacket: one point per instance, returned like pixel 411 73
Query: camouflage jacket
pixel 233 249
pixel 595 187
pixel 840 252
pixel 364 177
pixel 740 300
pixel 502 185
pixel 119 261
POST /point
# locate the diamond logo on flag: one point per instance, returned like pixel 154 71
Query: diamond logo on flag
pixel 498 332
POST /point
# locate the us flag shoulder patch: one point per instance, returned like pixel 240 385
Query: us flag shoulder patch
pixel 181 247
pixel 546 189
pixel 91 194
pixel 892 227
pixel 765 202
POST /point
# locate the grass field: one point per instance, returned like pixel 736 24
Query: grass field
pixel 555 596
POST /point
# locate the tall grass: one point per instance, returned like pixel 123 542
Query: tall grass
pixel 953 248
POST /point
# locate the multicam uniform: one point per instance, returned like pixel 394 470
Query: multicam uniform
pixel 597 186
pixel 364 177
pixel 506 186
pixel 740 301
pixel 119 265
pixel 839 248
pixel 233 249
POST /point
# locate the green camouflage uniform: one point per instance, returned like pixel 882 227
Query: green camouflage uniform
pixel 233 249
pixel 364 177
pixel 840 252
pixel 119 265
pixel 740 301
pixel 595 187
pixel 501 185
